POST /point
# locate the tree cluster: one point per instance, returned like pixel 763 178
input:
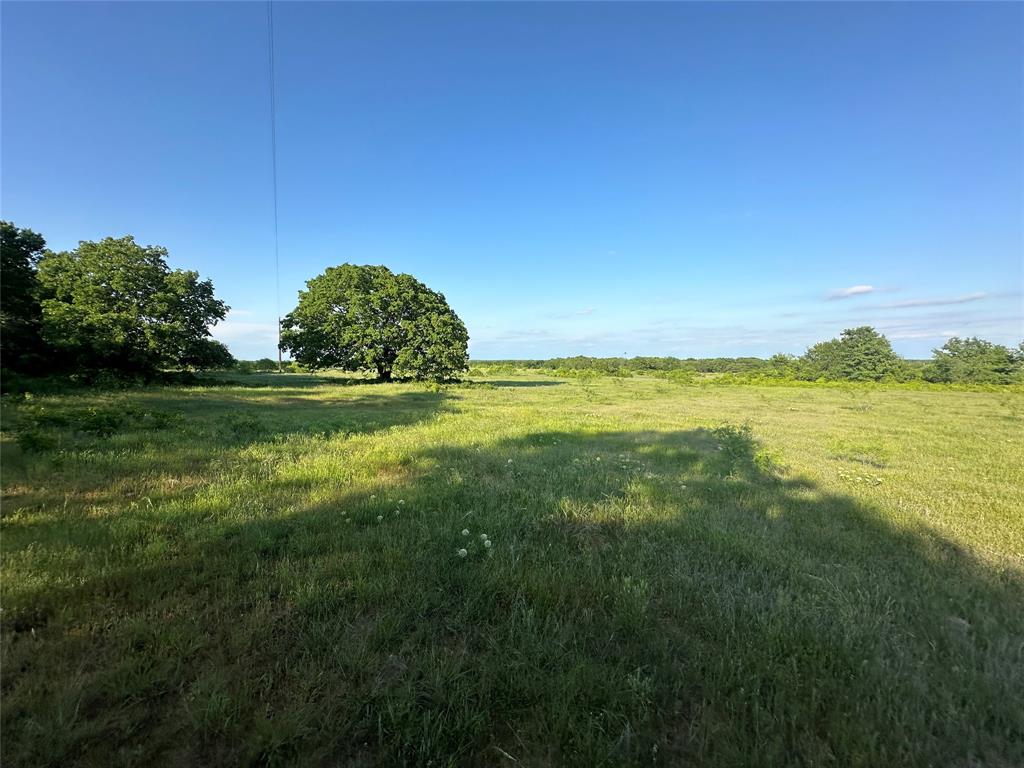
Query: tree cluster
pixel 112 306
pixel 975 361
pixel 863 354
pixel 859 354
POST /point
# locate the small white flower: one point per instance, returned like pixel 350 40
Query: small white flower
pixel 487 542
pixel 379 518
pixel 483 537
pixel 401 502
pixel 510 461
pixel 462 553
pixel 373 495
pixel 465 531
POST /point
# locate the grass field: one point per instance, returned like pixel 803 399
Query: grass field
pixel 269 573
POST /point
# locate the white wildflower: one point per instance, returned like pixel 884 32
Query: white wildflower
pixel 462 553
pixel 465 531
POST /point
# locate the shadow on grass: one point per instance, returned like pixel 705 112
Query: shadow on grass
pixel 265 380
pixel 512 383
pixel 655 597
pixel 161 444
pixel 288 380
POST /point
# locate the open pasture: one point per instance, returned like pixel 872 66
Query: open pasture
pixel 268 572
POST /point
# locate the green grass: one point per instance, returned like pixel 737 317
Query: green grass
pixel 268 574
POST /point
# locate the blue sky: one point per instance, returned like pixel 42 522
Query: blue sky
pixel 684 179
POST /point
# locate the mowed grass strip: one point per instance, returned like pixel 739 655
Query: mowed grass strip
pixel 269 573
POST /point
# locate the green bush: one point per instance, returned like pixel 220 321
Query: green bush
pixel 859 354
pixel 973 361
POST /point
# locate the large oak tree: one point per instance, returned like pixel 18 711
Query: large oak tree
pixel 366 318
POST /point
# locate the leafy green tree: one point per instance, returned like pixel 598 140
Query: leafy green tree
pixel 783 366
pixel 972 360
pixel 116 305
pixel 21 342
pixel 366 318
pixel 208 355
pixel 859 354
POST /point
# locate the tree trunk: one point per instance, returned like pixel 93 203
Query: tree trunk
pixel 384 374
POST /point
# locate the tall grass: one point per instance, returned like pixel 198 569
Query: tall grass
pixel 270 574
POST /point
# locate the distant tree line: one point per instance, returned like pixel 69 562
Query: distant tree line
pixel 630 365
pixel 115 307
pixel 112 307
pixel 859 354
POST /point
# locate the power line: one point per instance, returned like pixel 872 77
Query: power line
pixel 273 165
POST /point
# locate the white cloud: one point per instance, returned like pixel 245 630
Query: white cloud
pixel 934 302
pixel 234 332
pixel 853 290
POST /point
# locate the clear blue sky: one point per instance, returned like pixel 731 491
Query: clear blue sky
pixel 685 179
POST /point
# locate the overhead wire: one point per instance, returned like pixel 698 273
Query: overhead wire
pixel 273 166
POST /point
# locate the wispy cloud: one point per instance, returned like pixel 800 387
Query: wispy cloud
pixel 853 290
pixel 966 298
pixel 922 334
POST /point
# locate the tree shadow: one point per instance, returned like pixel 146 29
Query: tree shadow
pixel 264 380
pixel 154 445
pixel 512 383
pixel 666 597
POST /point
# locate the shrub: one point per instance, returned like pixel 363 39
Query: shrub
pixel 973 361
pixel 859 354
